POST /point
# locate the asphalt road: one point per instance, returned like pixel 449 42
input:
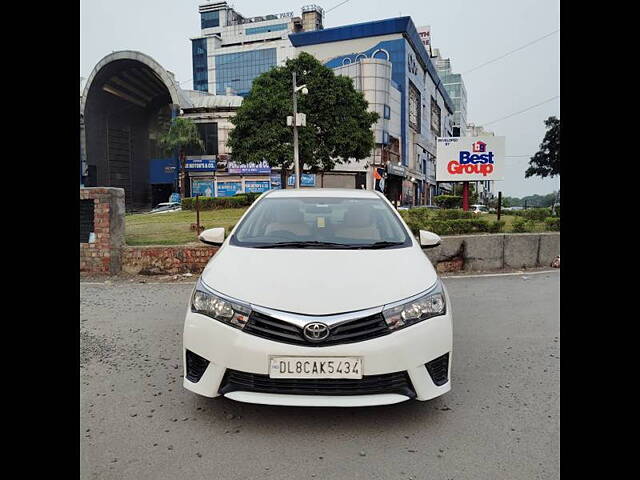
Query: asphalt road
pixel 500 420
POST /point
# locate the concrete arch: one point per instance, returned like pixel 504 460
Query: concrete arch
pixel 127 100
pixel 177 96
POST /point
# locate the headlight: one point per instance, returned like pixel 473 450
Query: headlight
pixel 226 311
pixel 429 305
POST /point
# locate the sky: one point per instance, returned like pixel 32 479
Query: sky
pixel 469 32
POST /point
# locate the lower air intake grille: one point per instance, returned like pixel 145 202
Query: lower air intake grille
pixel 398 382
pixel 196 365
pixel 439 369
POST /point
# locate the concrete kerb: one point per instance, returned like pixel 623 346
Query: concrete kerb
pixel 495 251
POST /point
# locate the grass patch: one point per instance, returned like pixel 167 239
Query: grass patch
pixel 174 228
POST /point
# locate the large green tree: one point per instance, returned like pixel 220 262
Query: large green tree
pixel 546 162
pixel 182 134
pixel 338 124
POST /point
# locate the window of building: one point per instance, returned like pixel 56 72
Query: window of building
pixel 200 73
pixel 387 112
pixel 266 28
pixel 209 135
pixel 415 107
pixel 238 70
pixel 381 54
pixel 435 117
pixel 209 19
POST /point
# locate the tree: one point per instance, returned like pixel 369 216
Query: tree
pixel 546 162
pixel 181 135
pixel 338 123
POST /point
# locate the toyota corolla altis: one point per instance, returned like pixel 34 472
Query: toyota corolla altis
pixel 319 297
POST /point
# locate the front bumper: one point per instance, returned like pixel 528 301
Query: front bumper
pixel 407 350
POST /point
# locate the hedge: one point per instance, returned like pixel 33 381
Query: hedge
pixel 552 224
pixel 448 201
pixel 217 203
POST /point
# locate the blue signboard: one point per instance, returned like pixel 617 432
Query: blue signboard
pixel 252 186
pixel 276 182
pixel 200 164
pixel 249 168
pixel 306 180
pixel 162 170
pixel 202 187
pixel 174 197
pixel 229 189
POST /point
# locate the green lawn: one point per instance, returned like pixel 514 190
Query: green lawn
pixel 174 228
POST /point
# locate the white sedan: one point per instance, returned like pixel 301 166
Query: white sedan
pixel 319 297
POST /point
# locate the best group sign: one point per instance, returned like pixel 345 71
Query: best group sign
pixel 469 159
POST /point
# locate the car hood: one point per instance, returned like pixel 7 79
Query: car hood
pixel 319 282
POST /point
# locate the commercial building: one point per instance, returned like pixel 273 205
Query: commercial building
pixel 454 85
pixel 128 99
pixel 404 72
pixel 232 50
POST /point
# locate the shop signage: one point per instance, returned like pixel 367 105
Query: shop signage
pixel 276 182
pixel 259 186
pixel 461 159
pixel 202 187
pixel 229 189
pixel 248 168
pixel 395 169
pixel 200 164
pixel 306 180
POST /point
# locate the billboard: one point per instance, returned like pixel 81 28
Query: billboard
pixel 249 168
pixel 229 189
pixel 203 188
pixel 257 186
pixel 463 159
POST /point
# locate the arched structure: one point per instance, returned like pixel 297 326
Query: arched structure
pixel 126 101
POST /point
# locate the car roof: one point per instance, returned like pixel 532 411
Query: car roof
pixel 322 192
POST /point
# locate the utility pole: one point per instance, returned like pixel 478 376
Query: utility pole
pixel 294 123
pixel 296 159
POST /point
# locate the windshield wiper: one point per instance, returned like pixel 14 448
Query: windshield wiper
pixel 378 245
pixel 309 244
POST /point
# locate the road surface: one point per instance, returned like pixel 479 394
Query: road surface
pixel 500 420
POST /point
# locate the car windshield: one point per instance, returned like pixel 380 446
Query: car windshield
pixel 321 222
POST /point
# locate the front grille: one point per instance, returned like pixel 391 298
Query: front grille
pixel 398 382
pixel 196 365
pixel 439 369
pixel 357 330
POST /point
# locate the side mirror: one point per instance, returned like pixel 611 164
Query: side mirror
pixel 429 239
pixel 212 236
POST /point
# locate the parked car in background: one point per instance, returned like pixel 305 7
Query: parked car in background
pixel 167 207
pixel 323 327
pixel 479 208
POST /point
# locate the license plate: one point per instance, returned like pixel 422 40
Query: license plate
pixel 315 367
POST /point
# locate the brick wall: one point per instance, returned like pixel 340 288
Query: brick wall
pixel 102 253
pixel 157 260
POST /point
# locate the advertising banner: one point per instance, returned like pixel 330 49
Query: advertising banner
pixel 276 182
pixel 306 180
pixel 462 159
pixel 202 187
pixel 162 170
pixel 252 186
pixel 229 189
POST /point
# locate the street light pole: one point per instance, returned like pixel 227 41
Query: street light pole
pixel 296 159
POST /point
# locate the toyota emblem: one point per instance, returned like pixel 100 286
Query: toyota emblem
pixel 316 331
